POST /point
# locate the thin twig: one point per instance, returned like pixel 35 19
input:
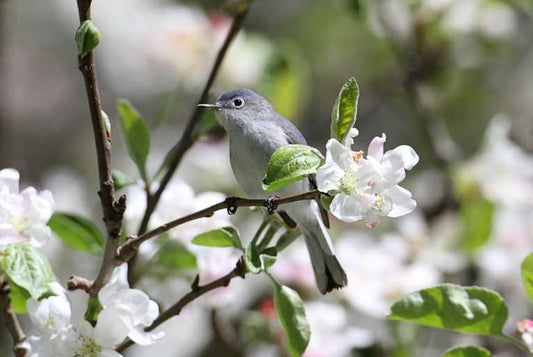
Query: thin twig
pixel 196 292
pixel 12 322
pixel 129 248
pixel 187 138
pixel 113 211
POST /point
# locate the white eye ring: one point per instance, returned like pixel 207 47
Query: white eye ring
pixel 238 102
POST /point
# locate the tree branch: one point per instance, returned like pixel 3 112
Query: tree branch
pixel 12 323
pixel 129 248
pixel 113 211
pixel 187 138
pixel 196 292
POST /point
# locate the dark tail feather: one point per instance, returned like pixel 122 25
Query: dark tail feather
pixel 329 274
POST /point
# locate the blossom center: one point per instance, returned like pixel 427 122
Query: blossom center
pixel 348 183
pixel 50 324
pixel 357 156
pixel 89 348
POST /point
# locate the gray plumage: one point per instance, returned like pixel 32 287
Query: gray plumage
pixel 255 131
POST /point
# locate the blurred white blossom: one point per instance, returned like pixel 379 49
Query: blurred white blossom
pixel 525 328
pixel 332 334
pixel 381 271
pixel 23 215
pixel 503 169
pixel 367 188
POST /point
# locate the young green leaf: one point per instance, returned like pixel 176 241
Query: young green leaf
pixel 87 37
pixel 268 257
pixel 18 297
pixel 93 309
pixel 291 313
pixel 453 307
pixel 27 267
pixel 136 135
pixel 173 256
pixel 223 237
pixel 344 111
pixel 466 351
pixel 291 163
pixel 77 232
pixel 527 275
pixel 476 214
pixel 121 180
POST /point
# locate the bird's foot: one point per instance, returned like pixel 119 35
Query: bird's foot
pixel 232 206
pixel 270 204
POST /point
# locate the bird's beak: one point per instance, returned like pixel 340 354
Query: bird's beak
pixel 210 106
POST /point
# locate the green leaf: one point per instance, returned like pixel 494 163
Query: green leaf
pixel 344 111
pixel 291 313
pixel 527 275
pixel 18 297
pixel 77 232
pixel 291 163
pixel 257 262
pixel 453 307
pixel 173 256
pixel 27 267
pixel 136 135
pixel 87 37
pixel 476 216
pixel 121 180
pixel 268 257
pixel 357 6
pixel 93 309
pixel 466 351
pixel 223 237
pixel 284 80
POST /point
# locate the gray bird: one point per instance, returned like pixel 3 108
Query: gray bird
pixel 255 131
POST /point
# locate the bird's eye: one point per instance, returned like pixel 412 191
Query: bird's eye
pixel 238 103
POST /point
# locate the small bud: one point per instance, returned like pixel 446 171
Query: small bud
pixel 87 37
pixel 107 125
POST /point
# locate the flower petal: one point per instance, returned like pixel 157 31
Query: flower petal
pixel 339 154
pixel 350 208
pixel 9 178
pixel 142 338
pixel 375 149
pixel 407 154
pixel 113 326
pixel 328 177
pixel 402 203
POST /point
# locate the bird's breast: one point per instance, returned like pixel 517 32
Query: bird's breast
pixel 250 151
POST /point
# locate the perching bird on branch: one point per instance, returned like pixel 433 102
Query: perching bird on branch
pixel 255 131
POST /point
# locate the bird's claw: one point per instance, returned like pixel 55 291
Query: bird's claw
pixel 232 207
pixel 271 205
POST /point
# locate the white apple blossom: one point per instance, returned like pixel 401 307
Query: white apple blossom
pixel 178 200
pixel 332 334
pixel 51 317
pixel 381 271
pixel 525 328
pixel 367 188
pixel 23 215
pixel 98 341
pixel 136 309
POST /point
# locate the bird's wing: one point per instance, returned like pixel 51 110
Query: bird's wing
pixel 295 137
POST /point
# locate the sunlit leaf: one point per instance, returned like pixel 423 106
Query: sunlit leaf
pixel 27 267
pixel 527 275
pixel 77 232
pixel 466 351
pixel 344 111
pixel 121 180
pixel 222 237
pixel 291 163
pixel 135 133
pixel 18 297
pixel 453 307
pixel 291 313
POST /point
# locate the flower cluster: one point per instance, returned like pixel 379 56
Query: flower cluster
pixel 525 328
pixel 23 215
pixel 367 187
pixel 125 312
